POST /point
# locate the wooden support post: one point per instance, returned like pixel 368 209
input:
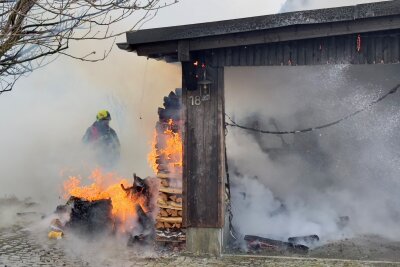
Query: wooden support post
pixel 204 162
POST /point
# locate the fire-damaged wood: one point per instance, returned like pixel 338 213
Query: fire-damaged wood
pixel 145 234
pixel 168 168
pixel 166 114
pixel 90 217
pixel 308 239
pixel 257 242
pixel 203 154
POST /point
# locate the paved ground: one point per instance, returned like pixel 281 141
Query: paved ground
pixel 23 242
pixel 21 248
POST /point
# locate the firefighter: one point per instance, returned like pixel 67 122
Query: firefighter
pixel 103 140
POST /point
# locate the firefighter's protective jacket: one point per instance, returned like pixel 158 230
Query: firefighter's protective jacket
pixel 104 141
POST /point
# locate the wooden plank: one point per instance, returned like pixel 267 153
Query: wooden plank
pixel 221 57
pixel 301 53
pixel 286 54
pixel 214 58
pixel 309 52
pixel 272 54
pixel 361 57
pixel 356 55
pixel 323 45
pixel 228 56
pixel 250 56
pixel 379 50
pixel 293 53
pixel 157 48
pixel 243 56
pixel 395 49
pixel 339 50
pixel 235 56
pixel 265 55
pixel 221 164
pixel 317 48
pixel 348 58
pixel 202 159
pixel 185 143
pixel 332 50
pixel 386 49
pixel 371 51
pixel 183 50
pixel 279 54
pixel 258 53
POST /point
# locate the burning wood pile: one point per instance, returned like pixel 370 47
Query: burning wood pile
pixel 166 161
pixel 113 205
pixel 109 205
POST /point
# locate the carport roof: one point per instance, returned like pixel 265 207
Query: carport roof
pixel 238 28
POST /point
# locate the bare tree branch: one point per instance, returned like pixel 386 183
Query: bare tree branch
pixel 34 31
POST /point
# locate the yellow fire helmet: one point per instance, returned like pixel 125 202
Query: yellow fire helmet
pixel 103 115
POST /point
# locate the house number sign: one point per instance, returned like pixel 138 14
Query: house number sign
pixel 195 100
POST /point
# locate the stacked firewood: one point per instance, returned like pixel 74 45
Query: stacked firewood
pixel 170 206
pixel 168 159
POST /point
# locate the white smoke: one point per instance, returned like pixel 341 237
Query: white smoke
pixel 45 117
pixel 301 184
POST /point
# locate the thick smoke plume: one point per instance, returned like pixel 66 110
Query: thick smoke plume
pixel 43 121
pixel 302 184
pixel 45 117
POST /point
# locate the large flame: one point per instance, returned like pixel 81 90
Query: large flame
pixel 107 186
pixel 171 152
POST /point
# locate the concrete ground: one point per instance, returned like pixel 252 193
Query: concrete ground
pixel 23 242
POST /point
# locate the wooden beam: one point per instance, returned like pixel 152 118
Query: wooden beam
pixel 160 49
pixel 203 159
pixel 183 50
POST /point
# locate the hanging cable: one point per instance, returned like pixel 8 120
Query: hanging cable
pixel 232 230
pixel 234 124
pixel 143 89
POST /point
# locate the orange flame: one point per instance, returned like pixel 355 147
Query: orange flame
pixel 107 186
pixel 172 150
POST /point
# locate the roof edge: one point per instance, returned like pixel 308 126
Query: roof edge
pixel 317 16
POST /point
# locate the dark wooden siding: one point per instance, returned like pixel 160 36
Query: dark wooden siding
pixel 376 48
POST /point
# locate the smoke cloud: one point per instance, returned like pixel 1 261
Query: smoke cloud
pixel 43 122
pixel 45 117
pixel 302 184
